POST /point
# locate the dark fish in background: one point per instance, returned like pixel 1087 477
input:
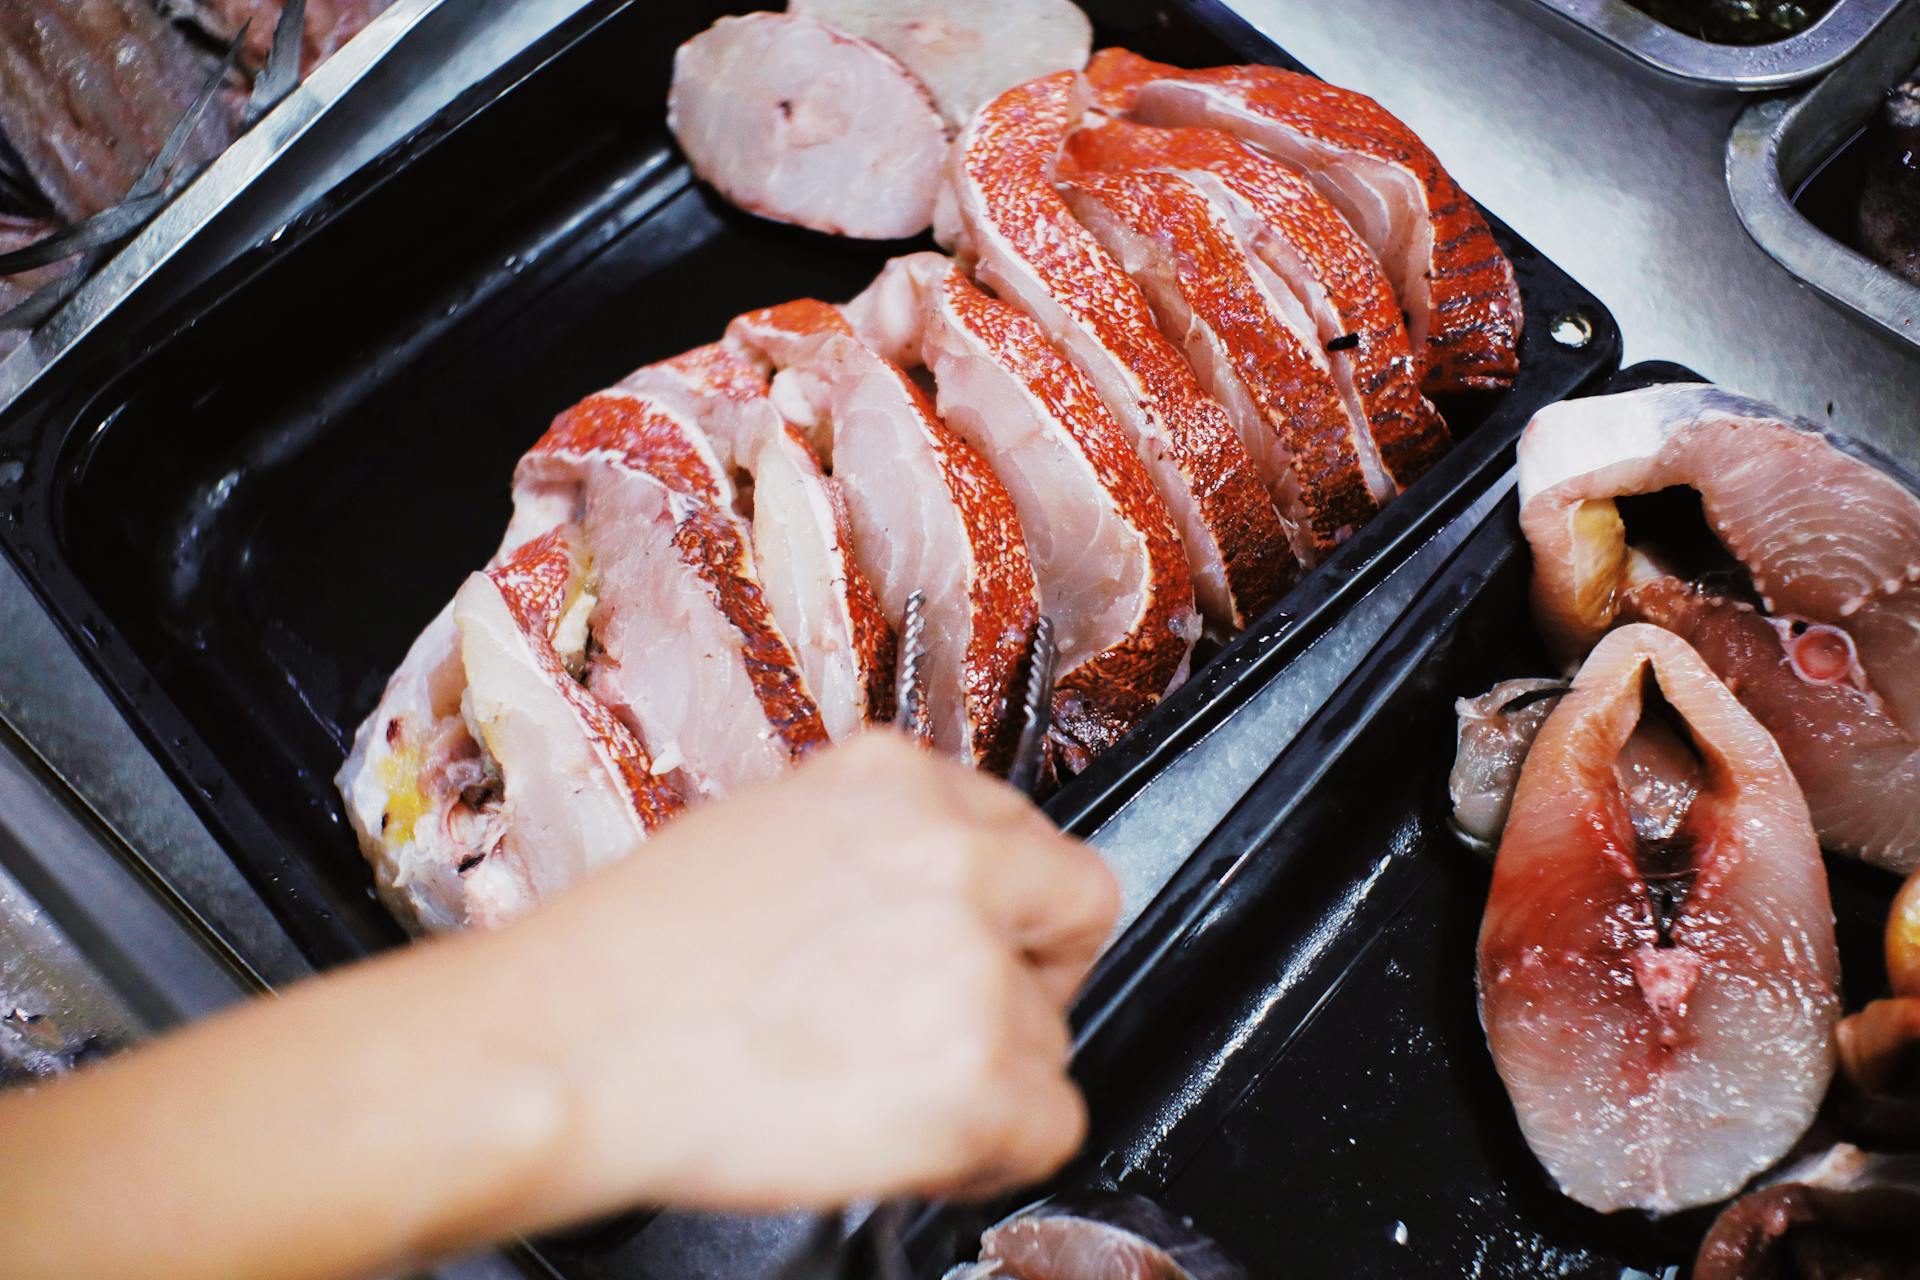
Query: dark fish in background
pixel 330 24
pixel 1842 1214
pixel 89 91
pixel 1889 218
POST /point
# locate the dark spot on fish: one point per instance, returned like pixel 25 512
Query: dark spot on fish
pixel 786 109
pixel 1799 626
pixel 393 732
pixel 480 794
pixel 1523 700
pixel 1669 869
pixel 471 861
pixel 386 820
pixel 1345 342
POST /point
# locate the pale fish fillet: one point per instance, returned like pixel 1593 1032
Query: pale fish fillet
pixel 928 514
pixel 576 790
pixel 1457 287
pixel 798 122
pixel 1001 214
pixel 1249 342
pixel 802 533
pixel 1661 1013
pixel 415 760
pixel 1107 558
pixel 1298 235
pixel 1831 538
pixel 689 652
pixel 966 54
pixel 1103 1238
pixel 1493 734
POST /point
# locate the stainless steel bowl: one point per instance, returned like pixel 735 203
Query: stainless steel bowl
pixel 1747 68
pixel 1779 144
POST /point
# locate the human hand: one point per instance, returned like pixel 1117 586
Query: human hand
pixel 847 983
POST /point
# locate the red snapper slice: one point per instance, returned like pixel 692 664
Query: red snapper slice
pixel 928 514
pixel 1303 240
pixel 800 123
pixel 575 789
pixel 1000 212
pixel 802 532
pixel 965 54
pixel 1108 561
pixel 1661 1012
pixel 1252 352
pixel 691 654
pixel 1461 299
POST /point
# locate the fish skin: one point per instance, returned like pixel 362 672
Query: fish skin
pixel 967 54
pixel 579 788
pixel 329 25
pixel 1212 302
pixel 802 530
pixel 679 592
pixel 1002 217
pixel 902 468
pixel 1119 593
pixel 89 91
pixel 795 121
pixel 1844 1212
pixel 1283 218
pixel 1649 1076
pixel 1462 300
pixel 1491 745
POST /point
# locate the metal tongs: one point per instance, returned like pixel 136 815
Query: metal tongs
pixel 827 1255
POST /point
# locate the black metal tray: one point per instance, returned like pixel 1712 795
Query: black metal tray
pixel 244 516
pixel 1286 1047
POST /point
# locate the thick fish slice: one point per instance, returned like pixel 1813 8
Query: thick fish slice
pixel 458 833
pixel 1860 771
pixel 1831 539
pixel 1001 213
pixel 1103 1238
pixel 1254 353
pixel 1281 217
pixel 691 654
pixel 966 54
pixel 1108 561
pixel 576 790
pixel 802 533
pixel 1661 1013
pixel 927 512
pixel 1458 289
pixel 798 122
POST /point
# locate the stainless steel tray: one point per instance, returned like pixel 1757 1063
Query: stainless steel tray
pixel 1778 145
pixel 1746 68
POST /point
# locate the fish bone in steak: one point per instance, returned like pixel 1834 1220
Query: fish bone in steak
pixel 1002 216
pixel 928 514
pixel 1461 299
pixel 1107 558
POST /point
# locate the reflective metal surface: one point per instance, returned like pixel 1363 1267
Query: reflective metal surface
pixel 1748 68
pixel 1778 145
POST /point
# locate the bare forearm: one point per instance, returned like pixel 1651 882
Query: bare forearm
pixel 374 1118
